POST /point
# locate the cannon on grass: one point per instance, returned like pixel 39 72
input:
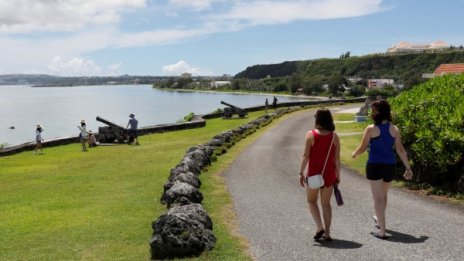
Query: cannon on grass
pixel 112 132
pixel 232 109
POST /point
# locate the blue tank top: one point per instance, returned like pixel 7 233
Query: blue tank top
pixel 381 147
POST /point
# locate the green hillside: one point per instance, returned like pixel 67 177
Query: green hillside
pixel 401 68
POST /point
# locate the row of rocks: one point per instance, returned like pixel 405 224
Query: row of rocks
pixel 186 229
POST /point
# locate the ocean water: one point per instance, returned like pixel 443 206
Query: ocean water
pixel 60 109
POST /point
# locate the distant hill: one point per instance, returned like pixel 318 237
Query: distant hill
pixel 49 80
pixel 397 67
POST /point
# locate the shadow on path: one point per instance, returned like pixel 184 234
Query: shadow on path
pixel 338 244
pixel 405 238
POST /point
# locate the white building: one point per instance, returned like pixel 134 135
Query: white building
pixel 405 47
pixel 379 83
pixel 186 75
pixel 216 84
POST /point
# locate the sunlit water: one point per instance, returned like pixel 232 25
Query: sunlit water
pixel 60 109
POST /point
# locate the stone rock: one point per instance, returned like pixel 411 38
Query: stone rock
pixel 186 177
pixel 199 158
pixel 181 193
pixel 215 143
pixel 184 231
pixel 187 165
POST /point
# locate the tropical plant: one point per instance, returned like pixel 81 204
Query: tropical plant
pixel 431 120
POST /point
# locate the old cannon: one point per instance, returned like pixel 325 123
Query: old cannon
pixel 231 110
pixel 112 132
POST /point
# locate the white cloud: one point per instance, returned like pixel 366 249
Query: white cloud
pixel 196 5
pixel 275 12
pixel 80 67
pixel 182 67
pixel 22 16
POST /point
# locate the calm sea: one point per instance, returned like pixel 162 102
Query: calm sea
pixel 60 109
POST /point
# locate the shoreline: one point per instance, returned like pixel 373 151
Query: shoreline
pixel 245 93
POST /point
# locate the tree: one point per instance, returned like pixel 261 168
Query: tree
pixel 357 90
pixel 295 82
pixel 336 83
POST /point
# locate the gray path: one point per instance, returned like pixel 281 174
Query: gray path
pixel 273 214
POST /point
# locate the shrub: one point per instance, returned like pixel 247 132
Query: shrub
pixel 431 120
pixel 189 117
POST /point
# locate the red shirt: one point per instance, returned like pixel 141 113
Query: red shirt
pixel 317 157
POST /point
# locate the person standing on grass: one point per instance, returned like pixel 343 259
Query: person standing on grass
pixel 274 103
pixel 38 139
pixel 132 131
pixel 321 156
pixel 266 105
pixel 381 137
pixel 83 135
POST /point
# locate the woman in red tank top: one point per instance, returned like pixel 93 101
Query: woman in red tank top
pixel 317 144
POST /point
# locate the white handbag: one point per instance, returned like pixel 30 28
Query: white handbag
pixel 317 181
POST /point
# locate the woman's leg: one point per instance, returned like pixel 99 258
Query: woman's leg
pixel 326 194
pixel 380 202
pixel 314 208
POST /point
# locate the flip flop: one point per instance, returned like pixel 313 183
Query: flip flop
pixel 377 235
pixel 319 234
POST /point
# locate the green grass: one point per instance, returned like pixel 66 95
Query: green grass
pixel 351 141
pixel 99 205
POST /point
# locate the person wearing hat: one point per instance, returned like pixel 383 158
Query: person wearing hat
pixel 132 131
pixel 83 135
pixel 92 140
pixel 38 139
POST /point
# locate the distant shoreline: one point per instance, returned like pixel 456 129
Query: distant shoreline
pixel 245 93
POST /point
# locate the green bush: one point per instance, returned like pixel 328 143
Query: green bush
pixel 431 119
pixel 189 117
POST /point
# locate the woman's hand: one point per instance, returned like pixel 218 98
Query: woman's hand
pixel 302 179
pixel 353 155
pixel 408 174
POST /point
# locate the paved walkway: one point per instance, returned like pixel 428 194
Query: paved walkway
pixel 273 214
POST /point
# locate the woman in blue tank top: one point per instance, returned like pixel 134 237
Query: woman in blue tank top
pixel 382 138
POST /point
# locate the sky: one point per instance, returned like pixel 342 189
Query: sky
pixel 208 37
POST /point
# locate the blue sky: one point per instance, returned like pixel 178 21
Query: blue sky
pixel 208 37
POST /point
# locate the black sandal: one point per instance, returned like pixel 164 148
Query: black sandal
pixel 319 234
pixel 326 238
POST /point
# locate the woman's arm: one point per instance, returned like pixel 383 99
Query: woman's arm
pixel 402 154
pixel 400 149
pixel 364 143
pixel 305 159
pixel 337 156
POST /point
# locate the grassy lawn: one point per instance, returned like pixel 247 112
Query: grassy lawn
pixel 99 205
pixel 350 140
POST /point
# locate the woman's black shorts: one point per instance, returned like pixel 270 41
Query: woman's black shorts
pixel 376 171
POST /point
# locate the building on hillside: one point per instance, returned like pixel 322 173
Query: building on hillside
pixel 354 79
pixel 216 84
pixel 405 47
pixel 379 83
pixel 449 68
pixel 186 75
pixel 445 68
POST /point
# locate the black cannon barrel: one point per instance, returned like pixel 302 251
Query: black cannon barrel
pixel 230 105
pixel 109 123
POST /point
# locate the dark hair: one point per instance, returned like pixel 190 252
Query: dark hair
pixel 381 111
pixel 324 120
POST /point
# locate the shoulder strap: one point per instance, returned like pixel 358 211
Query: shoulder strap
pixel 328 153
